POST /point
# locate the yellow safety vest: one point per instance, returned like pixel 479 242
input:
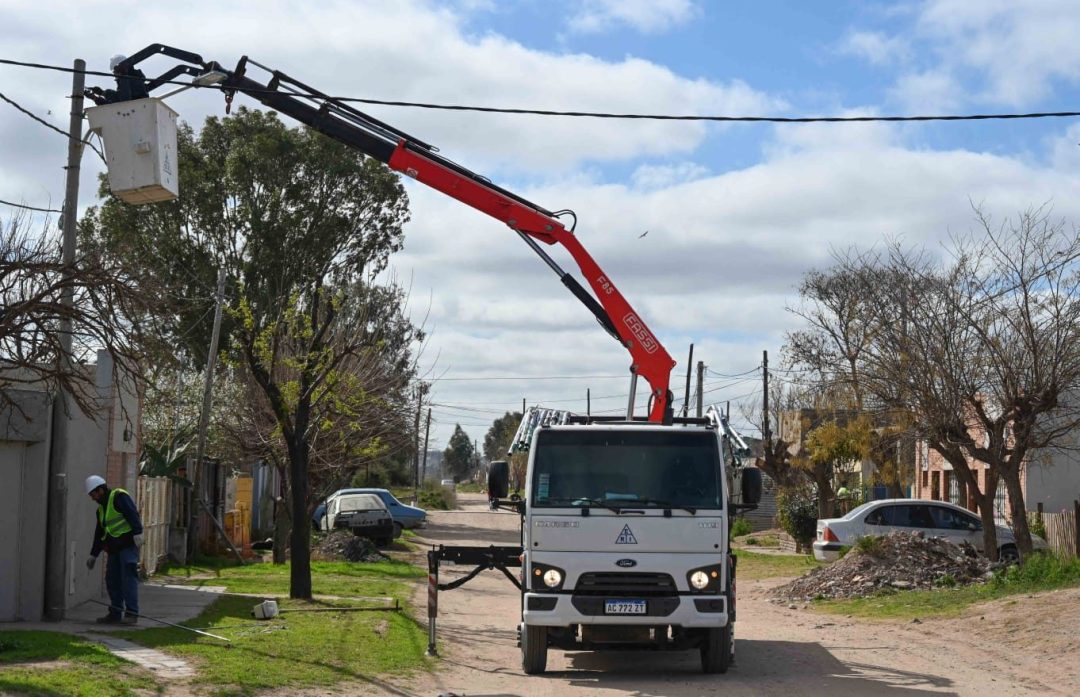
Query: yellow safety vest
pixel 113 523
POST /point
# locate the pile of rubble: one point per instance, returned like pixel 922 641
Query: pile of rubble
pixel 338 545
pixel 897 561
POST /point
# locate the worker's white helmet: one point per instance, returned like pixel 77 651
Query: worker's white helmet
pixel 93 482
pixel 116 60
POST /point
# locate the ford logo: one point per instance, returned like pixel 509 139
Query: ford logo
pixel 626 563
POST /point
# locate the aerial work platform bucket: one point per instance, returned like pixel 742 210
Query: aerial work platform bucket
pixel 140 146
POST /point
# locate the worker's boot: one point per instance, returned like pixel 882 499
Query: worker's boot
pixel 109 619
pixel 129 619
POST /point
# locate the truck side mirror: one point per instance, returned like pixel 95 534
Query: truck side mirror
pixel 498 482
pixel 751 485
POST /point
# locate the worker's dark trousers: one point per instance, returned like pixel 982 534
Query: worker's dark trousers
pixel 122 580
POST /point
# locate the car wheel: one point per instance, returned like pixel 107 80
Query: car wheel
pixel 398 528
pixel 1009 554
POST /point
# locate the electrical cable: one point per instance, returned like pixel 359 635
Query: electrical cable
pixel 29 208
pixel 45 123
pixel 595 114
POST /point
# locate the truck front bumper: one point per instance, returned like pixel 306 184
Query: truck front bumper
pixel 566 609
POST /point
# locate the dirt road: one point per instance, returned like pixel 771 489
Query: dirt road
pixel 779 651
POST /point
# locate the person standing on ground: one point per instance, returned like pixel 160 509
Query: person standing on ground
pixel 119 532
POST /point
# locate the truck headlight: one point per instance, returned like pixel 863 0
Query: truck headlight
pixel 705 579
pixel 546 578
pixel 699 580
pixel 552 578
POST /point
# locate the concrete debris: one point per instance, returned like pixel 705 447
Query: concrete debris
pixel 897 561
pixel 339 545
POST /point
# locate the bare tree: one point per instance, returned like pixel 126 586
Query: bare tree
pixel 104 313
pixel 982 350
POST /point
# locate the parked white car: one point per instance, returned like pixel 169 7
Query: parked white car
pixel 932 518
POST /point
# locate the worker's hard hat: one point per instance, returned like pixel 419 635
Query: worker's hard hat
pixel 93 482
pixel 116 60
pixel 842 491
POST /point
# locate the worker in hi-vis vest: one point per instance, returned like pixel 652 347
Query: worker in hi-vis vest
pixel 119 532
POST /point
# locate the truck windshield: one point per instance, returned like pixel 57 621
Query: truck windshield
pixel 676 468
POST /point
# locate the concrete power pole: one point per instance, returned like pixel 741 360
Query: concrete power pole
pixel 416 440
pixel 700 389
pixel 766 433
pixel 56 515
pixel 427 432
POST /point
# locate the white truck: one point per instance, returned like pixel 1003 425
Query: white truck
pixel 625 539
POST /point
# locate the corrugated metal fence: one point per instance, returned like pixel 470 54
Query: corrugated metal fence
pixel 154 499
pixel 1061 531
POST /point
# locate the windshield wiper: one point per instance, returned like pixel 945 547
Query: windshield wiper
pixel 582 502
pixel 666 504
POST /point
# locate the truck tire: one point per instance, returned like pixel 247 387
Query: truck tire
pixel 534 649
pixel 716 650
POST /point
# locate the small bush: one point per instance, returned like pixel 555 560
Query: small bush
pixel 741 527
pixel 869 544
pixel 797 513
pixel 1036 524
pixel 437 497
pixel 1039 572
pixel 752 541
pixel 947 581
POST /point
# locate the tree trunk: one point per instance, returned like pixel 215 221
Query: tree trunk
pixel 985 501
pixel 300 571
pixel 825 495
pixel 1018 511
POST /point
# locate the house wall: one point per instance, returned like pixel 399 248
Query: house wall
pixel 24 460
pixel 1053 481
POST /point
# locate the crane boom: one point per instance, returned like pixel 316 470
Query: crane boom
pixel 416 159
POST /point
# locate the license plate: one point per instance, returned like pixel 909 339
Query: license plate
pixel 365 522
pixel 625 607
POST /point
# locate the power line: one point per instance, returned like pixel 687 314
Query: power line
pixel 531 377
pixel 29 208
pixel 597 114
pixel 45 123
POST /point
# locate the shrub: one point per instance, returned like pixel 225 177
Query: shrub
pixel 752 541
pixel 947 581
pixel 437 497
pixel 1036 524
pixel 797 513
pixel 868 544
pixel 1039 572
pixel 741 527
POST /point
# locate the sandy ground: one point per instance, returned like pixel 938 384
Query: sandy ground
pixel 1025 646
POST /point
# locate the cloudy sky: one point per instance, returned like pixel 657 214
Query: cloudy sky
pixel 735 214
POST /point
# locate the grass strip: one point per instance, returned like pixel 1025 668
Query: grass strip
pixel 754 566
pixel 1042 572
pixel 50 664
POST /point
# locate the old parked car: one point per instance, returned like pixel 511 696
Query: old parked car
pixel 405 517
pixel 363 514
pixel 932 518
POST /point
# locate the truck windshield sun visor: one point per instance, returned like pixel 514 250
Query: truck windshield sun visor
pixel 621 470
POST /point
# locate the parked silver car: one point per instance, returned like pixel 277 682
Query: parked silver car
pixel 932 518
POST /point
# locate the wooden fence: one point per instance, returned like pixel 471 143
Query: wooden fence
pixel 154 499
pixel 1062 533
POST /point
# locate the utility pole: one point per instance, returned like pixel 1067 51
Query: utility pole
pixel 204 420
pixel 416 441
pixel 700 389
pixel 427 432
pixel 56 571
pixel 686 400
pixel 765 432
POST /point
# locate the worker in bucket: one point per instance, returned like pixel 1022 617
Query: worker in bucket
pixel 119 532
pixel 130 84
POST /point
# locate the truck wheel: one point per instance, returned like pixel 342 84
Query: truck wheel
pixel 716 650
pixel 534 649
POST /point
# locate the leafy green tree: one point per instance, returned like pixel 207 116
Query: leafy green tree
pixel 302 225
pixel 498 438
pixel 458 456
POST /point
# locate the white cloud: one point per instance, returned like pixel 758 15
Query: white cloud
pixel 1015 51
pixel 661 176
pixel 876 47
pixel 932 91
pixel 645 16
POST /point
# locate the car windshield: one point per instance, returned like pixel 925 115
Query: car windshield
pixel 615 469
pixel 360 502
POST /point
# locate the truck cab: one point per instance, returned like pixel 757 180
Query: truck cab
pixel 625 541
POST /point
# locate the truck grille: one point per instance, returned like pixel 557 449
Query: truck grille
pixel 629 584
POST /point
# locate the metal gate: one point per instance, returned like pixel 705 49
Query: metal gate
pixel 154 499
